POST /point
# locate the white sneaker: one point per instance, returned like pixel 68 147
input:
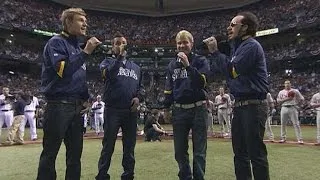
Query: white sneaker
pixel 282 141
pixel 141 132
pixel 300 142
pixel 119 134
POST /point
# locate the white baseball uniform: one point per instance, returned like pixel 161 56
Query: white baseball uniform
pixel 315 100
pixel 29 116
pixel 269 119
pixel 289 111
pixel 210 109
pixel 98 109
pixel 6 114
pixel 223 115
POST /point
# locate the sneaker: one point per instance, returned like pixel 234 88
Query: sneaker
pixel 282 141
pixel 19 143
pixel 300 142
pixel 119 134
pixel 271 140
pixel 8 143
pixel 141 133
pixel 34 139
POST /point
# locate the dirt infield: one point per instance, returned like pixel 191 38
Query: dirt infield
pixel 169 136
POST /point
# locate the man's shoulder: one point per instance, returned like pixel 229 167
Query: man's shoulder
pixel 134 64
pixel 199 57
pixel 55 39
pixel 252 44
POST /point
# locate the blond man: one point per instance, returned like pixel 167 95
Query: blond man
pixel 185 90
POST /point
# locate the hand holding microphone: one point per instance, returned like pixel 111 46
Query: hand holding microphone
pixel 122 50
pixel 212 44
pixel 92 43
pixel 183 58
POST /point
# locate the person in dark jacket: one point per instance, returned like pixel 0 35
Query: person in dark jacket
pixel 246 73
pixel 122 95
pixel 63 82
pixel 20 102
pixel 185 90
pixel 152 128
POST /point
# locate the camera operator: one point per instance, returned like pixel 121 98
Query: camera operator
pixel 246 73
pixel 152 128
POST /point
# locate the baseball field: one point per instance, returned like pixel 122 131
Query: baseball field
pixel 155 160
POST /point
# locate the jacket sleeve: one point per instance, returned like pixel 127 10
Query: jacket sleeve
pixel 140 89
pixel 199 73
pixel 168 91
pixel 246 58
pixel 64 64
pixel 219 63
pixel 109 68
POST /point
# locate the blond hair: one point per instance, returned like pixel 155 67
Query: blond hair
pixel 184 34
pixel 68 14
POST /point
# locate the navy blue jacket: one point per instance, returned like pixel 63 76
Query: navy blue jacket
pixel 186 85
pixel 122 82
pixel 246 71
pixel 18 107
pixel 64 69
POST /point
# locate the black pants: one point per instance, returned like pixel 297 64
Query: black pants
pixel 62 121
pixel 152 135
pixel 114 119
pixel 248 127
pixel 196 120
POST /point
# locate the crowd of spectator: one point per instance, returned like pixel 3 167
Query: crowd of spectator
pixel 44 15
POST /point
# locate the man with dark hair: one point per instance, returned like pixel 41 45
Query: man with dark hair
pixel 246 73
pixel 122 94
pixel 63 82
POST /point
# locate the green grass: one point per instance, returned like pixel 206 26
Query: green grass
pixel 155 160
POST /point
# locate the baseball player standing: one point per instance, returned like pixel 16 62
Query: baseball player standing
pixel 30 114
pixel 98 109
pixel 210 108
pixel 223 103
pixel 6 113
pixel 315 103
pixel 289 98
pixel 271 112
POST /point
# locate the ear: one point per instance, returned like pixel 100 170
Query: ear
pixel 68 23
pixel 244 28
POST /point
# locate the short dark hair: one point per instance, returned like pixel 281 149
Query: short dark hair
pixel 118 34
pixel 251 21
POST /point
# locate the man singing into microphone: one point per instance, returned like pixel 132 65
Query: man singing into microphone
pixel 63 82
pixel 185 90
pixel 246 73
pixel 122 94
